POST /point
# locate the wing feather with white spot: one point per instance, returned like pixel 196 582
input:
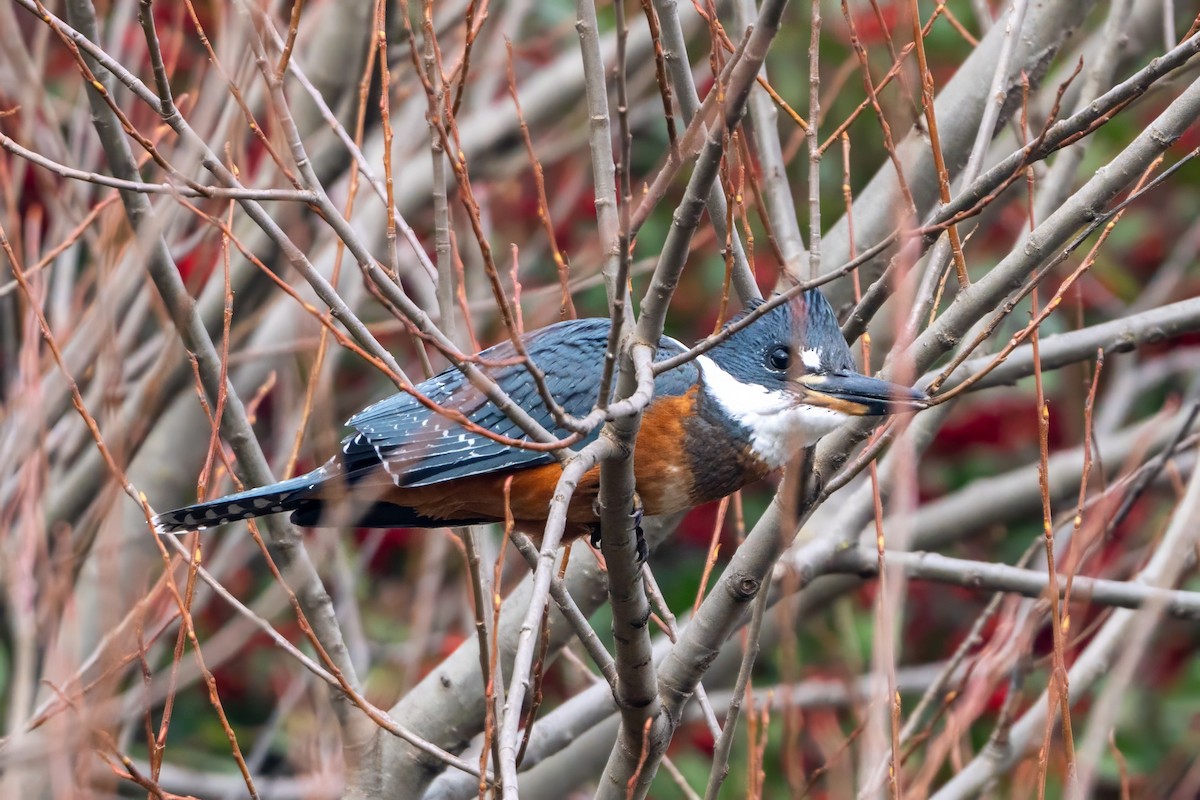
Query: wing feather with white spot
pixel 419 447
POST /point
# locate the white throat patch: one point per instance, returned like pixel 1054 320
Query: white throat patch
pixel 778 428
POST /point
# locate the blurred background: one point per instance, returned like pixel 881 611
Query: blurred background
pixel 110 689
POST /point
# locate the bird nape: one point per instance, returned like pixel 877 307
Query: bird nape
pixel 716 423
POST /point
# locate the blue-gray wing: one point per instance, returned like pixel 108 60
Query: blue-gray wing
pixel 418 446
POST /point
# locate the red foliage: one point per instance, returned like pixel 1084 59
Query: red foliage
pixel 198 264
pixel 1005 423
pixel 697 526
pixel 867 24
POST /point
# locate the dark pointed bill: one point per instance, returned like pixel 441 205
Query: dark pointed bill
pixel 859 395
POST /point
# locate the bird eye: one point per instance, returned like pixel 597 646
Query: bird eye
pixel 778 358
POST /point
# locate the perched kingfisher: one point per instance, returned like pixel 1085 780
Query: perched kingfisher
pixel 715 424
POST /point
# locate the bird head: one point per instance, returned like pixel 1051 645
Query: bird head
pixel 788 379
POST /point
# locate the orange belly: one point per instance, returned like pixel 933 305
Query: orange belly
pixel 661 470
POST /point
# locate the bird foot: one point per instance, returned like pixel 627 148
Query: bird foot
pixel 636 514
pixel 643 549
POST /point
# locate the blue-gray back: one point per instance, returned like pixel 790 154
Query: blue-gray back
pixel 419 446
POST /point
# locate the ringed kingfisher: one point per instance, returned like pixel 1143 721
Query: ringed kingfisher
pixel 716 423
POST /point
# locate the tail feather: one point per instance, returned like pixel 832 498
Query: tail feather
pixel 276 498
